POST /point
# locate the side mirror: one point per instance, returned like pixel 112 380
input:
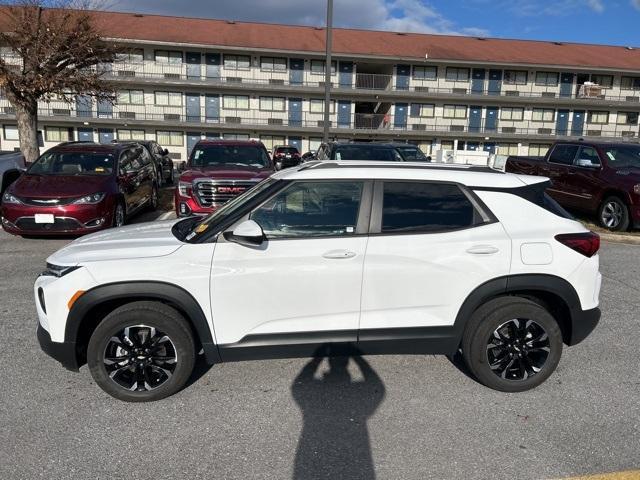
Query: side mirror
pixel 181 167
pixel 586 163
pixel 248 233
pixel 165 151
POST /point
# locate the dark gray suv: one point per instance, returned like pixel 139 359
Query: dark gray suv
pixel 393 152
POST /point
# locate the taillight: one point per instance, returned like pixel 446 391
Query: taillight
pixel 587 243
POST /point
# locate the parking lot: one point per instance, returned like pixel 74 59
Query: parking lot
pixel 408 417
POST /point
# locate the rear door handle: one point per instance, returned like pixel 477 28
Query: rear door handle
pixel 483 250
pixel 339 254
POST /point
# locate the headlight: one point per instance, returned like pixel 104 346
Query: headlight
pixel 90 199
pixel 58 270
pixel 184 189
pixel 636 188
pixel 8 198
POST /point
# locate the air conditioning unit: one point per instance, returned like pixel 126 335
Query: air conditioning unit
pixel 233 120
pixel 127 115
pixel 274 121
pixel 512 93
pixel 456 128
pixel 9 110
pixel 233 79
pixel 321 123
pixel 276 81
pixel 171 116
pixel 594 133
pixel 548 95
pixel 459 91
pixel 175 156
pixel 632 99
pixel 418 127
pixel 544 131
pixel 422 89
pixel 508 129
pixel 628 134
pixel 172 76
pixel 62 112
pixel 126 73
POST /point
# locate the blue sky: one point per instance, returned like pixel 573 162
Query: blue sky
pixel 590 21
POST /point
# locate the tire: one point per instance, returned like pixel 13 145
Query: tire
pixel 171 178
pixel 518 364
pixel 613 214
pixel 119 215
pixel 153 200
pixel 141 376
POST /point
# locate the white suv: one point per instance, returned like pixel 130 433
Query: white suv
pixel 331 258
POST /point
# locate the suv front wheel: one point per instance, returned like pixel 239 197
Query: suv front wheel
pixel 142 351
pixel 512 344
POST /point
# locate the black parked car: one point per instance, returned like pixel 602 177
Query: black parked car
pixel 394 152
pixel 164 163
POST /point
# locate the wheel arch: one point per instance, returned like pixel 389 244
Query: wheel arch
pixel 614 192
pixel 89 310
pixel 8 177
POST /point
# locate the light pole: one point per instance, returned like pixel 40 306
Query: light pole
pixel 327 74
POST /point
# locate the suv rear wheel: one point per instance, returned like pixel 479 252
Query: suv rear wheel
pixel 142 351
pixel 512 344
pixel 613 214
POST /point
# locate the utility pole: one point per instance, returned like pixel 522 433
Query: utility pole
pixel 327 73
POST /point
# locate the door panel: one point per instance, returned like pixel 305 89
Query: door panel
pixel 477 80
pixel 345 76
pixel 212 61
pixel 566 84
pixel 295 112
pixel 296 142
pixel 402 77
pixel 344 113
pixel 84 106
pixel 475 119
pixel 562 122
pixel 193 107
pixel 212 108
pixel 296 71
pixel 105 109
pixel 105 135
pixel 577 123
pixel 85 134
pixel 400 117
pixel 421 280
pixel 491 120
pixel 495 82
pixel 194 59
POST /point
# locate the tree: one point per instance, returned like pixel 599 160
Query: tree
pixel 53 51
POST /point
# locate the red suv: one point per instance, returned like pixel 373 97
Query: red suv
pixel 80 187
pixel 217 171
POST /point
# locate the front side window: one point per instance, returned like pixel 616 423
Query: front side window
pixel 367 152
pixel 590 154
pixel 563 154
pixel 426 207
pixel 311 209
pixel 412 153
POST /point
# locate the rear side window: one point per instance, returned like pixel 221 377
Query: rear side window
pixel 367 152
pixel 426 207
pixel 563 154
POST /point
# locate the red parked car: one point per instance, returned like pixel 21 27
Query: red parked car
pixel 80 187
pixel 285 156
pixel 217 171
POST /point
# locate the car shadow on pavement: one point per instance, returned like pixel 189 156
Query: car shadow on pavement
pixel 334 442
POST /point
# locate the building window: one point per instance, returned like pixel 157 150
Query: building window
pixel 166 137
pixel 538 149
pixel 236 136
pixel 425 73
pixel 235 102
pixel 455 111
pixel 56 134
pixel 171 99
pixel 128 134
pixel 603 80
pixel 543 114
pixel 314 143
pixel 272 104
pixel 130 97
pixel 426 110
pixel 273 64
pixel 630 83
pixel 317 106
pixel 508 149
pixel 446 145
pixel 455 74
pixel 168 57
pixel 317 67
pixel 134 55
pixel 598 117
pixel 511 113
pixel 11 132
pixel 548 79
pixel 237 62
pixel 515 77
pixel 271 141
pixel 627 118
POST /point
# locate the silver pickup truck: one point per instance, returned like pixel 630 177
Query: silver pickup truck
pixel 12 165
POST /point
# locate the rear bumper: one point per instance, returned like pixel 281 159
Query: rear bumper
pixel 64 352
pixel 583 322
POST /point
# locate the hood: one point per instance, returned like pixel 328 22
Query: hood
pixel 227 172
pixel 59 186
pixel 133 241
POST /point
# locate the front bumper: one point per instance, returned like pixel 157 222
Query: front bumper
pixel 64 352
pixel 187 206
pixel 583 322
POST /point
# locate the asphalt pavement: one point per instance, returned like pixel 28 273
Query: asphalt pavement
pixel 395 417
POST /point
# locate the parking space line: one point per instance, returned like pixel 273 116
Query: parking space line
pixel 626 475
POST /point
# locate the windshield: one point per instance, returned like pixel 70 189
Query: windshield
pixel 215 155
pixel 227 210
pixel 367 152
pixel 412 154
pixel 73 163
pixel 623 156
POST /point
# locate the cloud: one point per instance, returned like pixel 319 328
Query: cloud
pixel 395 15
pixel 533 8
pixel 635 4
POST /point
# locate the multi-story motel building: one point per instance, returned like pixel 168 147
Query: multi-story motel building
pixel 186 79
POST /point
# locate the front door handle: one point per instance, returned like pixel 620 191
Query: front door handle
pixel 483 250
pixel 339 254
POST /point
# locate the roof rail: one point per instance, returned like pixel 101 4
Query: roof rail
pixel 318 164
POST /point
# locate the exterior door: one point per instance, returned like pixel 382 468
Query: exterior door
pixel 475 119
pixel 212 61
pixel 295 112
pixel 192 139
pixel 296 71
pixel 412 267
pixel 402 77
pixel 562 122
pixel 85 134
pixel 473 146
pixel 193 107
pixel 84 106
pixel 105 109
pixel 566 84
pixel 478 76
pixel 296 142
pixel 400 116
pixel 489 147
pixel 310 270
pixel 577 123
pixel 491 120
pixel 344 113
pixel 105 135
pixel 212 136
pixel 495 82
pixel 212 108
pixel 194 60
pixel 345 76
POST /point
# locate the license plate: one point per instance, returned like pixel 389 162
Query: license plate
pixel 44 218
